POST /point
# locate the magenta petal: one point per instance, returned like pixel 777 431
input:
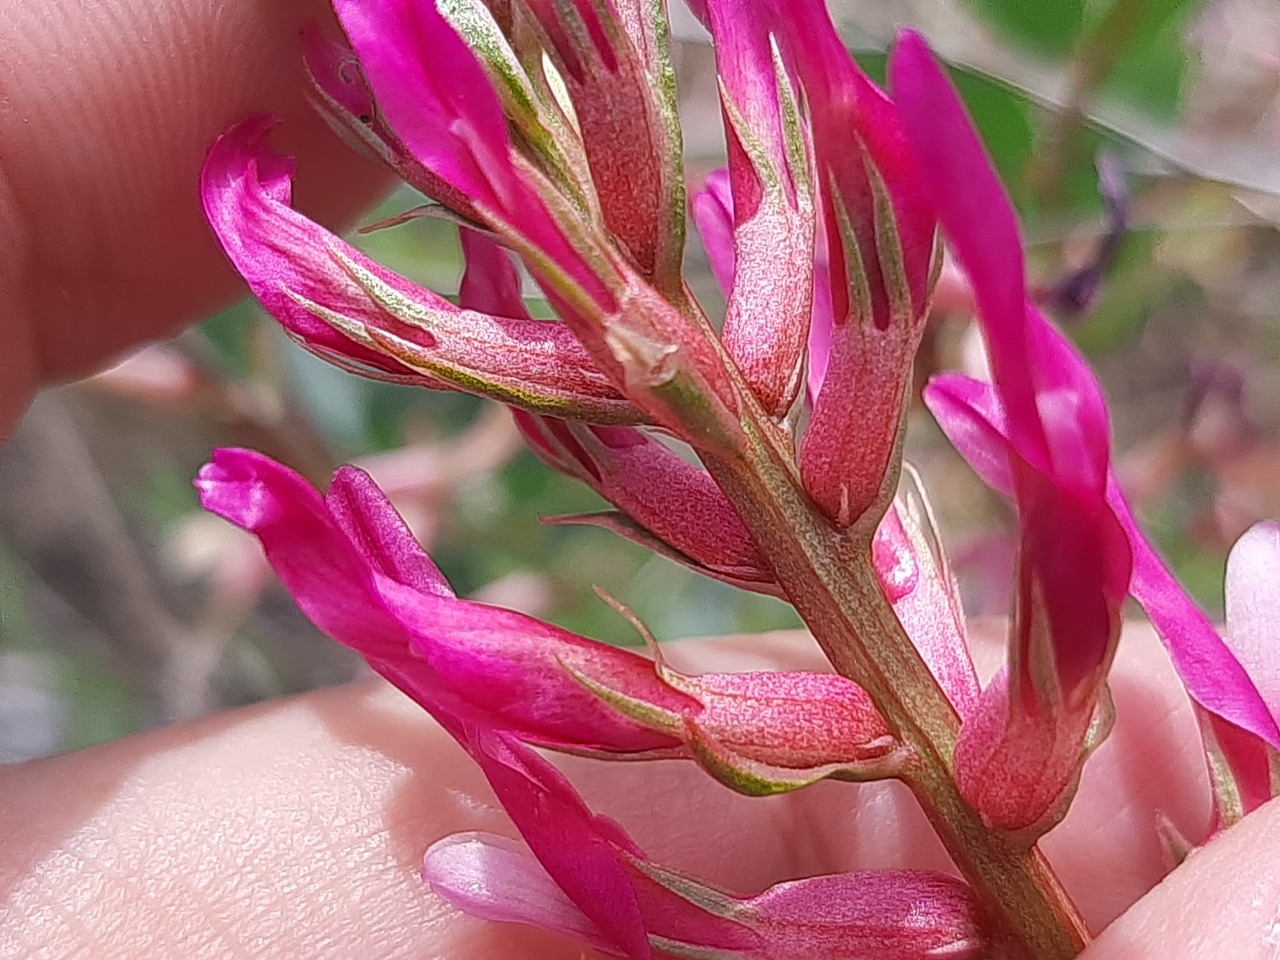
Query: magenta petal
pixel 1205 663
pixel 970 415
pixel 579 849
pixel 358 573
pixel 309 551
pixel 247 194
pixel 979 218
pixel 712 209
pixel 822 324
pixel 435 93
pixel 438 99
pixel 1074 553
pixel 490 282
pixel 517 671
pixel 379 534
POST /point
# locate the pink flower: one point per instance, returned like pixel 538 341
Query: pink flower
pixel 769 198
pixel 1020 750
pixel 582 876
pixel 877 240
pixel 662 500
pixel 495 679
pixel 350 310
pixel 1226 677
pixel 357 572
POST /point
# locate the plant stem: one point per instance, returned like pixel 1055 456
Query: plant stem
pixel 829 577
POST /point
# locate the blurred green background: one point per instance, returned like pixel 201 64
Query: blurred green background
pixel 122 606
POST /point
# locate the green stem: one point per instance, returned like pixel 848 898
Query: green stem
pixel 829 577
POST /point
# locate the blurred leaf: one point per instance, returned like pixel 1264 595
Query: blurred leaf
pixel 1003 117
pixel 1047 27
pixel 229 333
pixel 1151 71
pixel 102 708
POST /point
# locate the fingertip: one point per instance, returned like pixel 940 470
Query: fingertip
pixel 1223 901
pixel 109 111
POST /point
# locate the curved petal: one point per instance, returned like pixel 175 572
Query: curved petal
pixel 1253 608
pixel 334 299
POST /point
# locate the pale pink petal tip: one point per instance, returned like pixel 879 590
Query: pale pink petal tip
pixel 496 878
pixel 1253 608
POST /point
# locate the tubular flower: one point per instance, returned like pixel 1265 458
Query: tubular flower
pixel 877 245
pixel 768 196
pixel 345 307
pixel 1228 678
pixel 663 501
pixel 871 257
pixel 357 572
pixel 1021 748
pixel 1231 678
pixel 583 876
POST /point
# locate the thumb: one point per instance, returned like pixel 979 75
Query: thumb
pixel 108 109
pixel 1224 901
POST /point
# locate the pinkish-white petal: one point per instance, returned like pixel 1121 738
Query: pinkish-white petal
pixel 496 878
pixel 1253 608
pixel 918 583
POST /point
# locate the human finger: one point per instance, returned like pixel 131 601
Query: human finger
pixel 1224 901
pixel 107 112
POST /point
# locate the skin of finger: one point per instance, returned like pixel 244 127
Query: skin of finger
pixel 106 111
pixel 1223 902
pixel 297 828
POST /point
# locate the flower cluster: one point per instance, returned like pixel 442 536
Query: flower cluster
pixel 548 132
